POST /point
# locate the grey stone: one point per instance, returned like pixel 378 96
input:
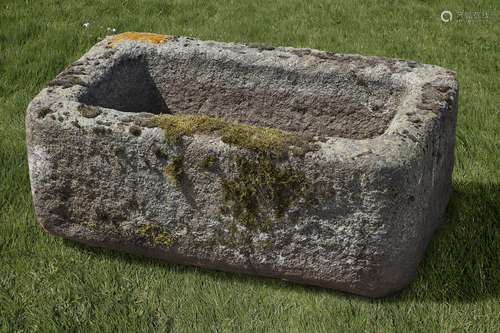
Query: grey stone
pixel 354 211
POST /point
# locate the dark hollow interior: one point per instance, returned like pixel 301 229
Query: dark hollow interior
pixel 344 104
pixel 127 87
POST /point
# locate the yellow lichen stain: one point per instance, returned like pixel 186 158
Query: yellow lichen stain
pixel 140 36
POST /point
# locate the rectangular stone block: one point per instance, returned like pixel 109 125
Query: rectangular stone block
pixel 315 167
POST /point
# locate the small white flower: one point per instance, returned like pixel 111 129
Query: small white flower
pixel 108 28
pixel 86 24
pixel 113 30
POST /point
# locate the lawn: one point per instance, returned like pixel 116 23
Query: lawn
pixel 48 284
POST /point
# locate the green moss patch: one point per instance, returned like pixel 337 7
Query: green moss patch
pixel 208 163
pixel 156 235
pixel 260 139
pixel 261 192
pixel 90 224
pixel 88 111
pixel 174 170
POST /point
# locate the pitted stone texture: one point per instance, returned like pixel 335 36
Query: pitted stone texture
pixel 374 192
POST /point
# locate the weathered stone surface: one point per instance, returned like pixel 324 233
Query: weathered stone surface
pixel 344 192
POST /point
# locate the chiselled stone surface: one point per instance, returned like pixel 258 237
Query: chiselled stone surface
pixel 321 168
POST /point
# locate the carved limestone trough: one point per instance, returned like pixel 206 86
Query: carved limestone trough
pixel 315 167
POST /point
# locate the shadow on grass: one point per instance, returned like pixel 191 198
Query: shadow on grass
pixel 460 264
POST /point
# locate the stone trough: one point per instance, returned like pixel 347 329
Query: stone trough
pixel 315 167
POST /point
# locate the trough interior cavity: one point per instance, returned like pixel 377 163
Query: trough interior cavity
pixel 344 104
pixel 127 86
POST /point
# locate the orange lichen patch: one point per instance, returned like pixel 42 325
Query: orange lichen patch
pixel 140 36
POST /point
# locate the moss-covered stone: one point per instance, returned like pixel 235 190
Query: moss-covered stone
pixel 163 238
pixel 261 192
pixel 145 229
pixel 90 224
pixel 89 111
pixel 178 125
pixel 208 163
pixel 155 234
pixel 255 138
pixel 111 229
pixel 174 170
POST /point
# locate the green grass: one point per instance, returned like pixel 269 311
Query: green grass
pixel 48 284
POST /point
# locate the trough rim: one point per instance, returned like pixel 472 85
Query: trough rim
pixel 427 90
